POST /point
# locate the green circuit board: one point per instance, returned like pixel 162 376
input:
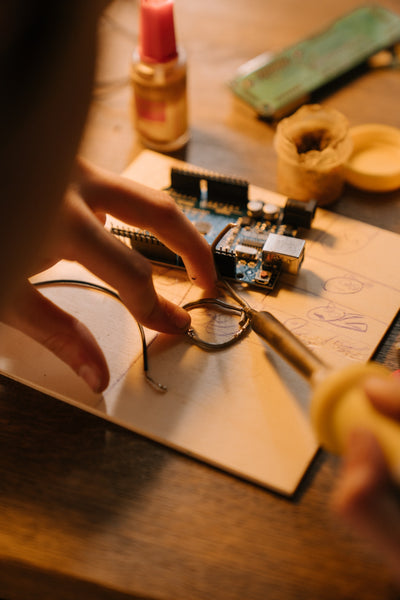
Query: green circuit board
pixel 274 85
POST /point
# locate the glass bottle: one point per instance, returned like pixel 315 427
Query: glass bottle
pixel 159 80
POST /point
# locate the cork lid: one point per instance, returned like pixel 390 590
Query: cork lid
pixel 374 164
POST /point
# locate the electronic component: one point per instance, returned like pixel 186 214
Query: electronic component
pixel 285 250
pixel 251 237
pixel 255 208
pixel 217 188
pixel 299 213
pixel 276 85
pixel 225 261
pixel 270 211
pixel 262 243
pixel 246 252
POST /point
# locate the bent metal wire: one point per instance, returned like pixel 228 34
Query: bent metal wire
pixel 159 387
pixel 241 308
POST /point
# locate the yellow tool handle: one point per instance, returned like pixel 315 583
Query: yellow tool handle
pixel 339 405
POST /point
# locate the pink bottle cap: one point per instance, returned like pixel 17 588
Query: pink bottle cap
pixel 157 32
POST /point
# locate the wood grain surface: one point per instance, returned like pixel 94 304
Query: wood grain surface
pixel 89 510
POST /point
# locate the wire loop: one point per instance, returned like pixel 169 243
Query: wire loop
pixel 244 323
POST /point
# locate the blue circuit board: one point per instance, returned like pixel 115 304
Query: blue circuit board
pixel 263 239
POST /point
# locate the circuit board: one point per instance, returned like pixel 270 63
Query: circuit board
pixel 262 240
pixel 275 85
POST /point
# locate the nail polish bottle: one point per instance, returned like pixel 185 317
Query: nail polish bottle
pixel 159 80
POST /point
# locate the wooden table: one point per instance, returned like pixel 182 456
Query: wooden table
pixel 89 510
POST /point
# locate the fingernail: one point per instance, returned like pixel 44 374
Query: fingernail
pixel 91 377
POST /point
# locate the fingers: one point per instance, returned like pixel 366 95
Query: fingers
pixel 368 500
pixel 154 211
pixel 59 332
pixel 384 394
pixel 79 235
pixel 87 242
pixel 364 471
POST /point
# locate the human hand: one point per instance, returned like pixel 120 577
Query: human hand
pixel 366 497
pixel 79 235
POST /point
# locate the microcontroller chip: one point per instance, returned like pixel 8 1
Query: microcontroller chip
pixel 246 252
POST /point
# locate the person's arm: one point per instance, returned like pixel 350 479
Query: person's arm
pixel 47 57
pixel 78 234
pixel 46 66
